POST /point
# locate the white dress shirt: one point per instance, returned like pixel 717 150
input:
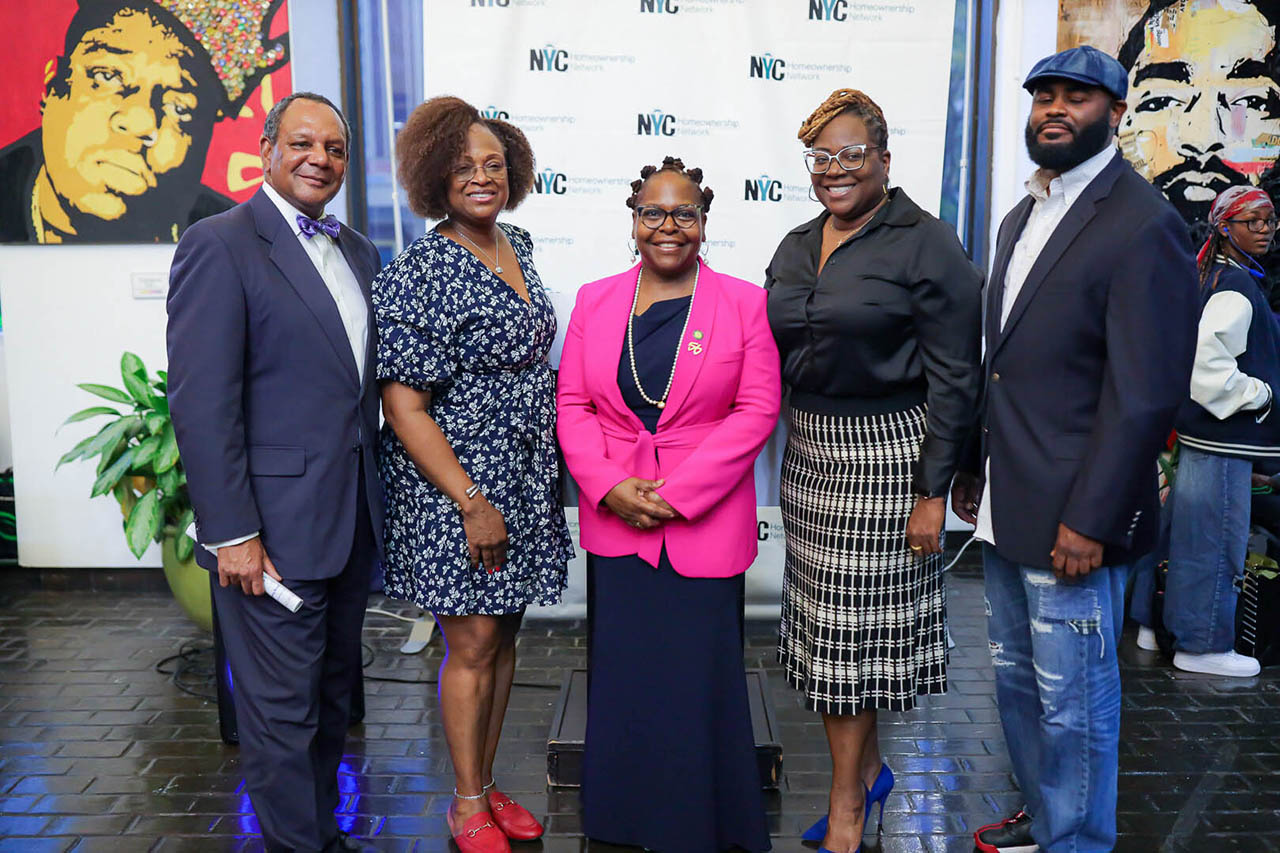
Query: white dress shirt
pixel 341 283
pixel 1054 196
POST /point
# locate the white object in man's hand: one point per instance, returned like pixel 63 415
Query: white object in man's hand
pixel 243 565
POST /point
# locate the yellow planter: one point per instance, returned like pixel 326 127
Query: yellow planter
pixel 188 582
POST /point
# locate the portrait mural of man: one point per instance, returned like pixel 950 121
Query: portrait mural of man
pixel 129 116
pixel 1204 91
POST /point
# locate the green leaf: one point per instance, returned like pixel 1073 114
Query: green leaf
pixel 108 479
pixel 167 455
pixel 91 412
pixel 131 365
pixel 169 481
pixel 144 523
pixel 109 435
pixel 75 452
pixel 125 496
pixel 156 422
pixel 139 389
pixel 109 457
pixel 183 546
pixel 146 451
pixel 161 405
pixel 115 395
pixel 163 374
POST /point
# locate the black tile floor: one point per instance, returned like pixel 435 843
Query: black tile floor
pixel 99 752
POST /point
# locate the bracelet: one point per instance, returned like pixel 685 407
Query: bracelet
pixel 473 490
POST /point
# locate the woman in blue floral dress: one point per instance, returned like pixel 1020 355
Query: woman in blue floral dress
pixel 475 527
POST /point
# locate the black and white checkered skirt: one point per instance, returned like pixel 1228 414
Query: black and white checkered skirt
pixel 863 619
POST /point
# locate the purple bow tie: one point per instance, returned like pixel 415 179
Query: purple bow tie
pixel 311 227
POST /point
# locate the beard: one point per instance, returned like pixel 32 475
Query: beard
pixel 1060 157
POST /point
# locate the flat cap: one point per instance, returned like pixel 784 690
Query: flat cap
pixel 1084 64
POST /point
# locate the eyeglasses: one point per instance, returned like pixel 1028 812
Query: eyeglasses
pixel 493 170
pixel 1259 226
pixel 685 216
pixel 849 158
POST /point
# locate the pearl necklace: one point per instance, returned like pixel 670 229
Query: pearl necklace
pixel 631 349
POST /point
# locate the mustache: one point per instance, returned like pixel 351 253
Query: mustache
pixel 1212 166
pixel 1053 122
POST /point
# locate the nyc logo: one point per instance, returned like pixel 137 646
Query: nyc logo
pixel 656 123
pixel 768 67
pixel 488 3
pixel 828 10
pixel 548 182
pixel 493 112
pixel 659 6
pixel 762 188
pixel 549 58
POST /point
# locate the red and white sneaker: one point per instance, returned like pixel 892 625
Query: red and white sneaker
pixel 1012 835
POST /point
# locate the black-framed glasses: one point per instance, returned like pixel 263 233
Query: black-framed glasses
pixel 685 216
pixel 1259 226
pixel 493 170
pixel 850 158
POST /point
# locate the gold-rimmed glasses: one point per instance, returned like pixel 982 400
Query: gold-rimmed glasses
pixel 493 170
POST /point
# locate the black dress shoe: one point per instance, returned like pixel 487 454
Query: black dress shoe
pixel 345 843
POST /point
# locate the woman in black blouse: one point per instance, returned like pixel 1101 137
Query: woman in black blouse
pixel 877 315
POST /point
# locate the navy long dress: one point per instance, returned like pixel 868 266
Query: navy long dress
pixel 670 758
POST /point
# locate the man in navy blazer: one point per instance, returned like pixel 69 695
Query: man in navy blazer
pixel 1091 314
pixel 274 400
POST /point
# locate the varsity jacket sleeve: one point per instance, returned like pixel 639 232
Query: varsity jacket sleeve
pixel 1217 383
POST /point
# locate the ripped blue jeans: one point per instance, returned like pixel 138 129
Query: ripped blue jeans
pixel 1053 646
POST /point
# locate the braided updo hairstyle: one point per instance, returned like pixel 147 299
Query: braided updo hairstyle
pixel 671 164
pixel 847 101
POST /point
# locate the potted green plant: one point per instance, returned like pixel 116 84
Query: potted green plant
pixel 138 465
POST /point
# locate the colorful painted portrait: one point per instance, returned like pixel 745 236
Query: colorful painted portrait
pixel 1204 90
pixel 125 121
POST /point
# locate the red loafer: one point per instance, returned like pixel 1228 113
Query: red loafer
pixel 480 834
pixel 512 818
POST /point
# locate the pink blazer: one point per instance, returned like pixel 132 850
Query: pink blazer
pixel 722 408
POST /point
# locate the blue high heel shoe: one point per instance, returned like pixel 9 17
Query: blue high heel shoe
pixel 878 793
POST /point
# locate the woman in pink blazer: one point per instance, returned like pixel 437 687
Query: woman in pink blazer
pixel 669 387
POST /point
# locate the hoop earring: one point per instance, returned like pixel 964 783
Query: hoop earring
pixel 632 248
pixel 813 197
pixel 703 251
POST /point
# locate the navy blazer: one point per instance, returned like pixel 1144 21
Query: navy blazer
pixel 271 416
pixel 1082 385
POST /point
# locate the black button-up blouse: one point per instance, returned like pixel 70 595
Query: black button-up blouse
pixel 893 320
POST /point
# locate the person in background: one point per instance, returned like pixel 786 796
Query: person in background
pixel 1223 428
pixel 271 391
pixel 475 527
pixel 877 314
pixel 1090 330
pixel 668 391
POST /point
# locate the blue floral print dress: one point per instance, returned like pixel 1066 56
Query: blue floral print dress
pixel 449 325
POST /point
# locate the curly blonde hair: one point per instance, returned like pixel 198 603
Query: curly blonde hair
pixel 846 101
